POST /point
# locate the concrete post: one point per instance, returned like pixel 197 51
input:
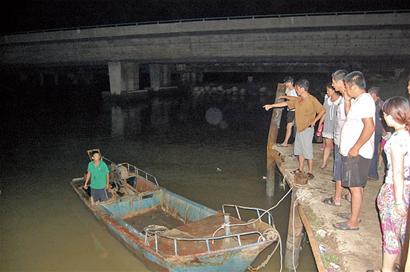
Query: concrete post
pixel 185 77
pixel 200 77
pixel 114 71
pixel 193 77
pixel 294 239
pixel 166 76
pixel 155 76
pixel 124 76
pixel 131 76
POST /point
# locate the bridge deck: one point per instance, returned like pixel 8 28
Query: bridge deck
pixel 351 250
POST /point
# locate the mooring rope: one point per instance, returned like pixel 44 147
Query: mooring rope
pixel 266 261
pixel 259 219
pixel 253 220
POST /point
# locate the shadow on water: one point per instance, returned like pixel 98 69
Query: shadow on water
pixel 209 149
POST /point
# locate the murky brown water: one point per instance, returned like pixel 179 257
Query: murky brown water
pixel 44 225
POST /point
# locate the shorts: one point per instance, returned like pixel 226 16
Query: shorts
pixel 337 164
pixel 327 135
pixel 392 224
pixel 303 143
pixel 354 171
pixel 290 116
pixel 99 194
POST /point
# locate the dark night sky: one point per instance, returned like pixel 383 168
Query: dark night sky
pixel 23 15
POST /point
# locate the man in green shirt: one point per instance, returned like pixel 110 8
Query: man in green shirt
pixel 100 178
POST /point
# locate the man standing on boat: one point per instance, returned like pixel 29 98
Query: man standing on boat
pixel 100 178
pixel 308 110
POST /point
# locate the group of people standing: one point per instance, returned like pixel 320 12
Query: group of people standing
pixel 351 123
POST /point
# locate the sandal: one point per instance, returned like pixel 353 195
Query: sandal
pixel 296 171
pixel 310 176
pixel 346 215
pixel 347 197
pixel 344 226
pixel 282 145
pixel 330 201
pixel 323 166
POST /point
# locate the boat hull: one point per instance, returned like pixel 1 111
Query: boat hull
pixel 236 258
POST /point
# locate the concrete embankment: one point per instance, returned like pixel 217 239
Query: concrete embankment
pixel 334 250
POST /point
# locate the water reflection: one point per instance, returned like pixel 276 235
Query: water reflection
pixel 163 114
pixel 44 226
pixel 117 122
pixel 160 111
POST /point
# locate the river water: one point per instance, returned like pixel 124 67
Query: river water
pixel 209 149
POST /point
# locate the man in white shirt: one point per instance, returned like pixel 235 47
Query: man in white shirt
pixel 356 144
pixel 338 84
pixel 290 114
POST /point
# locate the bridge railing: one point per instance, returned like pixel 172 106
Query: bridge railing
pixel 207 19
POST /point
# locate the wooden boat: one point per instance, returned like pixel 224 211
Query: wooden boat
pixel 169 232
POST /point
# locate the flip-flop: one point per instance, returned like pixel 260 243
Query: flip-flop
pixel 310 176
pixel 323 167
pixel 296 171
pixel 282 145
pixel 344 226
pixel 346 215
pixel 331 201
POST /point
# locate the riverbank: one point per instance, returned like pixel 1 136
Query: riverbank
pixel 337 250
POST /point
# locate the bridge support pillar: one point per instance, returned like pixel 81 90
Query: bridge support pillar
pixel 193 78
pixel 124 76
pixel 131 76
pixel 155 76
pixel 160 76
pixel 114 72
pixel 166 75
pixel 200 77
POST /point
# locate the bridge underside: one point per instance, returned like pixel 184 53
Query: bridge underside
pixel 318 44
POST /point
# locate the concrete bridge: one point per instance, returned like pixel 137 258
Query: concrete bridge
pixel 191 46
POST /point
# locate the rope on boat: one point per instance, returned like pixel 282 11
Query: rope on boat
pixel 253 220
pixel 263 264
pixel 273 233
pixel 265 212
pixel 151 230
